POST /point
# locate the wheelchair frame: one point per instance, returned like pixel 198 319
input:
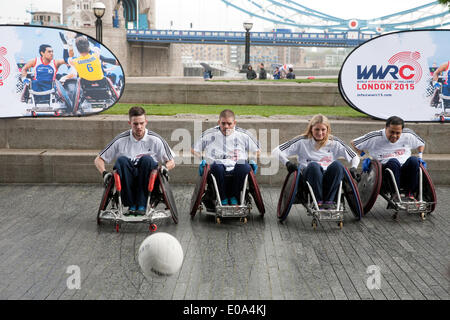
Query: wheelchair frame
pixel 319 215
pixel 220 211
pixel 152 214
pixel 311 205
pixel 420 206
pixel 53 106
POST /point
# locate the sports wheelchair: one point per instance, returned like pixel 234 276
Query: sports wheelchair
pixel 297 191
pixel 96 94
pixel 424 201
pixel 441 103
pixel 206 195
pixel 55 101
pixel 111 207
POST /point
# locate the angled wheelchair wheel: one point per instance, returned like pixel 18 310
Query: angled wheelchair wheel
pixel 106 197
pixel 199 190
pixel 76 96
pixel 256 193
pixel 429 193
pixel 168 196
pixel 114 94
pixel 351 194
pixel 287 195
pixel 370 185
pixel 64 95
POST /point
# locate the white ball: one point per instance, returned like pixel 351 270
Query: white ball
pixel 160 253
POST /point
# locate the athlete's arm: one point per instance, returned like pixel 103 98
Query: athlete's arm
pixel 109 60
pixel 100 164
pixel 438 71
pixel 59 63
pixel 356 149
pixel 170 164
pixel 27 66
pixel 195 153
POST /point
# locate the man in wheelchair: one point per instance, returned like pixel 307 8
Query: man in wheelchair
pixel 227 148
pixel 41 87
pixel 137 152
pixel 93 86
pixel 401 171
pixel 319 173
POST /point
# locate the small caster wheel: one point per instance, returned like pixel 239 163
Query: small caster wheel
pixel 395 216
pixel 244 220
pixel 152 227
pixel 422 216
pixel 442 118
pixel 314 224
pixel 117 227
pixel 218 220
pixel 33 114
pixel 340 224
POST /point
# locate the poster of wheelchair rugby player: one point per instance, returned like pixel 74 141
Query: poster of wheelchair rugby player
pixel 46 71
pixel 403 74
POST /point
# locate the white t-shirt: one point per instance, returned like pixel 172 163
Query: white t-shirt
pixel 380 148
pixel 305 150
pixel 226 150
pixel 126 145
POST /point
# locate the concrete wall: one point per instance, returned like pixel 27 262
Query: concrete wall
pixel 62 150
pixel 235 93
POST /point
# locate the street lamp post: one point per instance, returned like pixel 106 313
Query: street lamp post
pixel 247 26
pixel 99 11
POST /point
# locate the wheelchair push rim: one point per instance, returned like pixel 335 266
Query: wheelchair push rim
pixel 370 185
pixel 199 191
pixel 168 196
pixel 256 193
pixel 287 195
pixel 351 194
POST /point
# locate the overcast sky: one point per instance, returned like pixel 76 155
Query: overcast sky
pixel 214 15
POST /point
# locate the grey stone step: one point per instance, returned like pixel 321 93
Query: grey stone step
pixel 231 93
pixel 95 132
pixel 77 166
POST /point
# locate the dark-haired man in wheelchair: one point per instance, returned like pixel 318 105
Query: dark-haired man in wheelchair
pixel 227 148
pixel 392 147
pixel 137 152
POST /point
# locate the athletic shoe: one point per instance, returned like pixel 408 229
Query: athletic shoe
pixel 329 205
pixel 140 211
pixel 233 201
pixel 131 211
pixel 225 202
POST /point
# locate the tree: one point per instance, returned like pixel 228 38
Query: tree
pixel 447 2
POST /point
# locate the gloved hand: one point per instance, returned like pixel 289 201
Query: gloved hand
pixel 422 162
pixel 107 176
pixel 366 165
pixel 291 167
pixel 355 174
pixel 254 166
pixel 201 167
pixel 63 38
pixel 165 172
pixel 26 81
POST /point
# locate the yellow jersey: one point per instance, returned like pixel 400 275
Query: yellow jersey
pixel 88 67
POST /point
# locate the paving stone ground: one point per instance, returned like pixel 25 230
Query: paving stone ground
pixel 45 229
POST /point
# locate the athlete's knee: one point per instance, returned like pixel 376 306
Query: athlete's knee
pixel 148 161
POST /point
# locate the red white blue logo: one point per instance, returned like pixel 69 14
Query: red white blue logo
pixel 4 64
